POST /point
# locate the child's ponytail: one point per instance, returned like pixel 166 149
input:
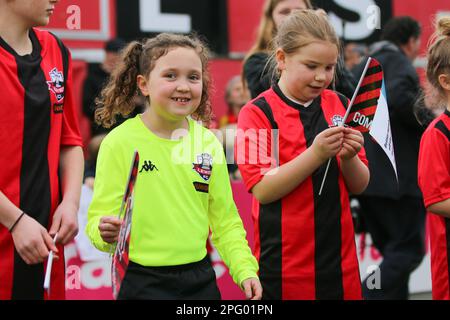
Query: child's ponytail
pixel 117 97
pixel 439 54
pixel 443 26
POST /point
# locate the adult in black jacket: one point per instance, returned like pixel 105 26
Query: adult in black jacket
pixel 257 72
pixel 97 76
pixel 393 212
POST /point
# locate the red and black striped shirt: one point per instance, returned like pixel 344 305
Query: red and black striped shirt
pixel 434 181
pixel 37 118
pixel 304 242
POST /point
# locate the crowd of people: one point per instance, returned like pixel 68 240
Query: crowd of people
pixel 152 96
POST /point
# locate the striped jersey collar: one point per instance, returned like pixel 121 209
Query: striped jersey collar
pixel 290 102
pixel 35 43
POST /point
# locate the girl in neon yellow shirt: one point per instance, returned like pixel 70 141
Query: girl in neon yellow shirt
pixel 182 190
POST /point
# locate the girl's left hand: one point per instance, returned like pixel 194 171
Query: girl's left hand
pixel 252 289
pixel 65 222
pixel 352 144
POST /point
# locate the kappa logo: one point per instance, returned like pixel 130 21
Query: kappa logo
pixel 56 84
pixel 148 166
pixel 203 166
pixel 337 120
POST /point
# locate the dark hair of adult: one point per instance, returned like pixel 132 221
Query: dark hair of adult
pixel 400 29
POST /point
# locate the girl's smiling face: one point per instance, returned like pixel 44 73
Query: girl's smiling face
pixel 174 85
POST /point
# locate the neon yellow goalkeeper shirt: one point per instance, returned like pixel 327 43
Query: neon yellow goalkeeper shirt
pixel 182 191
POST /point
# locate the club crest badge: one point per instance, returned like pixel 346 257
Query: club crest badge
pixel 337 120
pixel 56 84
pixel 203 166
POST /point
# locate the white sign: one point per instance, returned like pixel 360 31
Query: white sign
pixel 370 19
pixel 152 20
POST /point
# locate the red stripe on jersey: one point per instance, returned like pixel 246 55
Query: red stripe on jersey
pixel 6 262
pixel 350 268
pixel 439 257
pixel 298 264
pixel 58 278
pixel 11 129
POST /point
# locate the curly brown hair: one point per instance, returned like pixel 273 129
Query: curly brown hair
pixel 139 58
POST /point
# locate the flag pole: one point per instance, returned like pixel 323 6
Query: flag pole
pixel 346 116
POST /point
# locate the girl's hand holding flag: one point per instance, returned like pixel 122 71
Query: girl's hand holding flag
pixel 352 144
pixel 328 143
pixel 367 112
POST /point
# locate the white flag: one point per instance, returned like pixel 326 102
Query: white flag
pixel 381 128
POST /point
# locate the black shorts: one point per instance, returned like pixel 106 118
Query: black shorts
pixel 193 281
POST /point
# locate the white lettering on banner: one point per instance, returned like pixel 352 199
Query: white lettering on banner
pixel 152 20
pixel 362 29
pixel 73 278
pixel 73 22
pixel 70 251
pixel 96 274
pixel 91 275
pixel 374 19
pixel 374 279
pixel 362 120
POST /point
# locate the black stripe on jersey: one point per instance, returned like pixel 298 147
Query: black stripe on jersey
pixel 270 273
pixel 327 212
pixel 35 196
pixel 270 250
pixel 447 235
pixel 440 125
pixel 262 104
pixel 344 100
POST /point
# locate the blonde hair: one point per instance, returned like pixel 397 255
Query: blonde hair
pixel 302 28
pixel 439 53
pixel 139 58
pixel 267 29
